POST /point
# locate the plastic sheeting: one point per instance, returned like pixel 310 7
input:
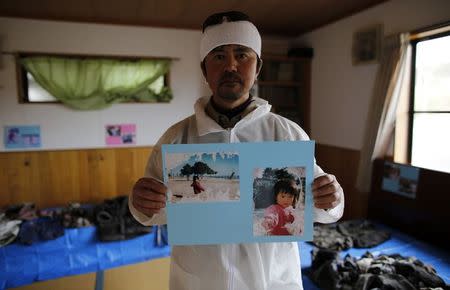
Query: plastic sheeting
pixel 77 252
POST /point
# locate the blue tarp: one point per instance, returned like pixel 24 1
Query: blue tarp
pixel 399 243
pixel 77 252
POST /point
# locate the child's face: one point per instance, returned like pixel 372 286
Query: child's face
pixel 285 199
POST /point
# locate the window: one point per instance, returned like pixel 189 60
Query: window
pixel 91 82
pixel 429 114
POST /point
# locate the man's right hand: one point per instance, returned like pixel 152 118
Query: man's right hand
pixel 149 196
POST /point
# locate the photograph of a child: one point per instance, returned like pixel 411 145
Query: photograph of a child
pixel 279 201
pixel 13 135
pixel 400 179
pixel 113 130
pixel 22 136
pixel 202 176
pixel 120 134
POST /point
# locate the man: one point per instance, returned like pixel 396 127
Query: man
pixel 230 53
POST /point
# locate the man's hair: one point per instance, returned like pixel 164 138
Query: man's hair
pixel 228 16
pixel 286 186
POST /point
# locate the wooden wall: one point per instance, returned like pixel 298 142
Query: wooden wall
pixel 426 217
pixel 150 275
pixel 343 163
pixel 55 178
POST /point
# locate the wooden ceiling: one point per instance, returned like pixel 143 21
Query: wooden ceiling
pixel 272 17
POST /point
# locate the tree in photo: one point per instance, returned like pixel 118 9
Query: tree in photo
pixel 187 170
pixel 284 174
pixel 268 173
pixel 201 168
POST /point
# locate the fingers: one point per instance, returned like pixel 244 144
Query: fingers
pixel 149 196
pixel 148 183
pixel 323 180
pixel 326 192
pixel 327 201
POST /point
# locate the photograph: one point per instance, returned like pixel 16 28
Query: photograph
pixel 391 171
pixel 408 186
pixel 202 177
pixel 279 201
pixel 16 137
pixel 367 45
pixel 113 130
pixel 400 179
pixel 120 134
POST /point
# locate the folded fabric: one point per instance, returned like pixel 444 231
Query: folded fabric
pixel 348 234
pixel 9 229
pixel 383 272
pixel 24 211
pixel 363 233
pixel 38 230
pixel 114 221
pixel 77 216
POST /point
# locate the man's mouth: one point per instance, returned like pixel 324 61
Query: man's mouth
pixel 230 81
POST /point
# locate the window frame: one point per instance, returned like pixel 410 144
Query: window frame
pixel 22 80
pixel 411 110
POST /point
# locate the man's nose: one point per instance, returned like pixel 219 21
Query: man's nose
pixel 231 63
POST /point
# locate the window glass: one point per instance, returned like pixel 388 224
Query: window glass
pixel 431 141
pixel 432 80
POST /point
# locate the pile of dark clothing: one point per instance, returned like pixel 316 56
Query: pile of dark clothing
pixel 35 226
pixel 114 221
pixel 76 215
pixel 348 234
pixel 25 224
pixel 383 272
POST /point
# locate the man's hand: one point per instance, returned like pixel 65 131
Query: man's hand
pixel 326 192
pixel 149 196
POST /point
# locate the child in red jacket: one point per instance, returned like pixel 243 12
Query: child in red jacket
pixel 196 185
pixel 280 213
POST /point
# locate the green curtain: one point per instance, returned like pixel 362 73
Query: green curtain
pixel 88 84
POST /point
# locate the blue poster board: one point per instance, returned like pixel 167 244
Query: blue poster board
pixel 19 137
pixel 400 179
pixel 225 193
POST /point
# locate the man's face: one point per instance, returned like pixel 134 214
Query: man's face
pixel 230 71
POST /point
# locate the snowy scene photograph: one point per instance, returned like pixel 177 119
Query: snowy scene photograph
pixel 202 176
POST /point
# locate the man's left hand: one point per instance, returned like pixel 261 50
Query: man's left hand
pixel 326 192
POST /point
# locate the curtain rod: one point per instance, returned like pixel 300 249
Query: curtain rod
pixel 430 30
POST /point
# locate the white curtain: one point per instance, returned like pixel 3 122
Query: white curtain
pixel 391 85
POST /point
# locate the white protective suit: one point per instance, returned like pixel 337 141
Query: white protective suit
pixel 264 266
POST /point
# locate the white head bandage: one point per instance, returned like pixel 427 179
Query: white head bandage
pixel 237 32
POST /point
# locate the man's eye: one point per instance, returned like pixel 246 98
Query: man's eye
pixel 219 56
pixel 242 55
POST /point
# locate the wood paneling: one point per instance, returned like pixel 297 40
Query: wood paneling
pixel 150 275
pixel 54 178
pixel 343 163
pixel 426 216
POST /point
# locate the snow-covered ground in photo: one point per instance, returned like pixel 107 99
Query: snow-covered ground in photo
pixel 295 228
pixel 216 189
